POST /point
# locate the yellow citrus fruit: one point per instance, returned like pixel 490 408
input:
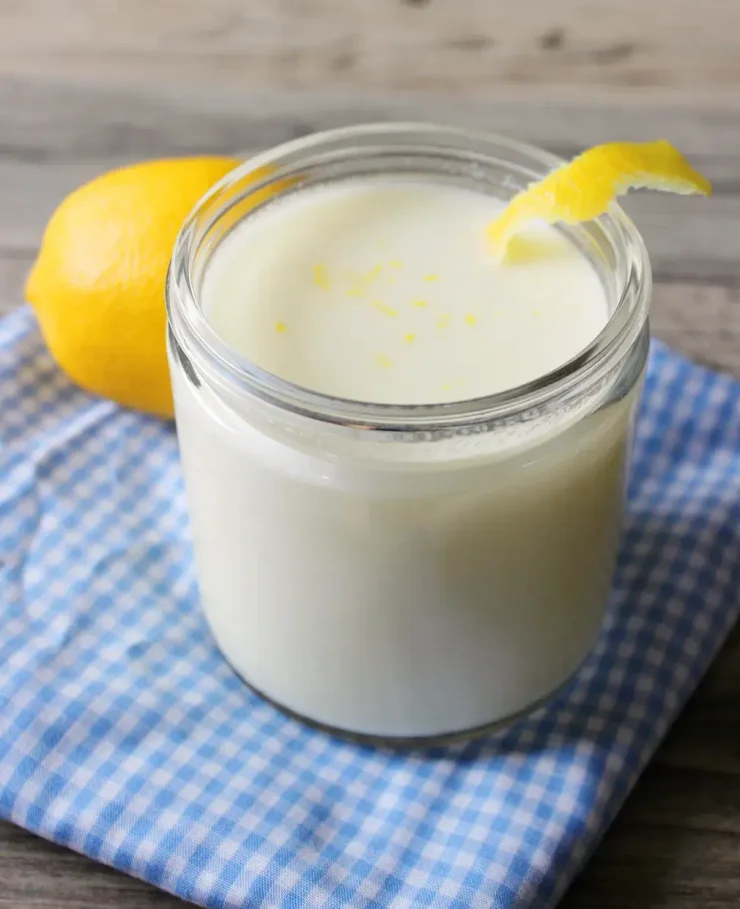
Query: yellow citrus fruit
pixel 584 188
pixel 97 286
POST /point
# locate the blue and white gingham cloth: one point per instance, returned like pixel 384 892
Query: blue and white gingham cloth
pixel 125 736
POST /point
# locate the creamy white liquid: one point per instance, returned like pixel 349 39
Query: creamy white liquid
pixel 400 588
pixel 386 292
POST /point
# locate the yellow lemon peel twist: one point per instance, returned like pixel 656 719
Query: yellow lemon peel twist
pixel 585 187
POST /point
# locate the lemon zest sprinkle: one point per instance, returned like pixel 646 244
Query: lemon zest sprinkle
pixel 410 337
pixel 321 277
pixel 395 263
pixel 444 321
pixel 281 327
pixel 420 304
pixel 384 308
pixel 431 278
pixel 383 360
pixel 359 282
pixel 470 319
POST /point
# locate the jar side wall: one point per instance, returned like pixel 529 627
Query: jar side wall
pixel 430 608
pixel 406 572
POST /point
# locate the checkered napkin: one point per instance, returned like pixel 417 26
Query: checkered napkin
pixel 125 736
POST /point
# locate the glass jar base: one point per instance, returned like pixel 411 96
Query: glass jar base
pixel 413 742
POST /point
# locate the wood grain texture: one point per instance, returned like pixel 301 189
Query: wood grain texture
pixel 429 45
pixel 39 875
pixel 676 844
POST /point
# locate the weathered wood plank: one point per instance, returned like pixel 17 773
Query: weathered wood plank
pixel 13 271
pixel 703 322
pixel 41 120
pixel 674 846
pixel 38 875
pixel 667 45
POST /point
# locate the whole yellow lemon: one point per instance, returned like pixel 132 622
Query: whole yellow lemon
pixel 97 286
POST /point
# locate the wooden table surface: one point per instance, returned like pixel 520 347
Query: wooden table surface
pixel 676 844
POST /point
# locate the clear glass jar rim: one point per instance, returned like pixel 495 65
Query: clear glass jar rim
pixel 230 370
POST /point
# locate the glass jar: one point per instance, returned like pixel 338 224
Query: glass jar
pixel 392 571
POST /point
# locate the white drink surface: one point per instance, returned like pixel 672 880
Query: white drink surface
pixel 400 588
pixel 386 292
